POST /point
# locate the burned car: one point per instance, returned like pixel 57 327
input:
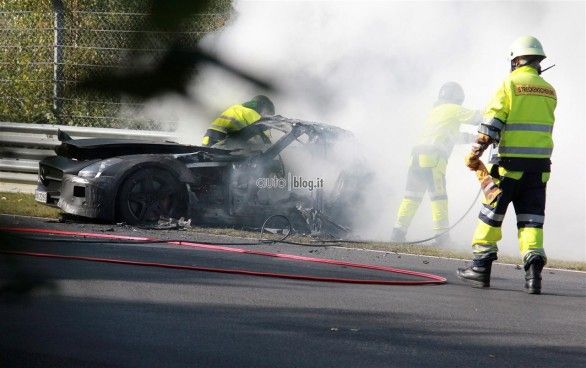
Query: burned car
pixel 277 166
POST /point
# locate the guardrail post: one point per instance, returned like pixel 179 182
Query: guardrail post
pixel 59 25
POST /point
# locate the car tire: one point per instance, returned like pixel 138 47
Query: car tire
pixel 149 194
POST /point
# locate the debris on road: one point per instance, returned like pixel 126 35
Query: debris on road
pixel 172 224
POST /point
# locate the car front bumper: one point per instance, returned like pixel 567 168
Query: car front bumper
pixel 93 198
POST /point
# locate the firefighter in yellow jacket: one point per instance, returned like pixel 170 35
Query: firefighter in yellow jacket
pixel 429 158
pixel 237 117
pixel 520 120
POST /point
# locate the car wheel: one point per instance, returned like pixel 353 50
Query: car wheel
pixel 148 194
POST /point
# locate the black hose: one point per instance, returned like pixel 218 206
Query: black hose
pixel 326 241
pixel 423 240
pixel 453 225
pixel 262 229
pixel 260 241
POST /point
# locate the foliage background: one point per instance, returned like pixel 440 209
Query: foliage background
pixel 111 34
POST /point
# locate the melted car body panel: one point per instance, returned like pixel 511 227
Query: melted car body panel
pixel 222 182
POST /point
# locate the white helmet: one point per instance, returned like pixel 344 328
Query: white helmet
pixel 526 45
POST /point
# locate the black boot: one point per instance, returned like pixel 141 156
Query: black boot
pixel 533 269
pixel 398 235
pixel 478 274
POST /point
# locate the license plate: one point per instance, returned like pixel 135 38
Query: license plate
pixel 41 196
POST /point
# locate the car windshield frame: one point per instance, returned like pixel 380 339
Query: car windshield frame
pixel 241 140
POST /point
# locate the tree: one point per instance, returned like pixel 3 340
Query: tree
pixel 93 35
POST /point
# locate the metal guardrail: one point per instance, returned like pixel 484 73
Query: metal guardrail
pixel 83 132
pixel 22 146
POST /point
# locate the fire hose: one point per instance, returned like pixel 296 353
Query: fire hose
pixel 487 187
pixel 427 279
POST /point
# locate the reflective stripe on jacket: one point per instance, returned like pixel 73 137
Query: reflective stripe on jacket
pixel 441 132
pixel 525 103
pixel 234 118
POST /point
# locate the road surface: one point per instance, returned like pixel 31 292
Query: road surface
pixel 104 315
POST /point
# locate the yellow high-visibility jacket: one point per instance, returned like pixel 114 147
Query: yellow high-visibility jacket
pixel 441 132
pixel 525 105
pixel 232 120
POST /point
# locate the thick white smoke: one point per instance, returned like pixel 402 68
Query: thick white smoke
pixel 375 68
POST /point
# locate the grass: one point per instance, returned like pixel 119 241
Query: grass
pixel 415 249
pixel 458 254
pixel 25 204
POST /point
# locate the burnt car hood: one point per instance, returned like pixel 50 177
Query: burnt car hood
pixel 102 148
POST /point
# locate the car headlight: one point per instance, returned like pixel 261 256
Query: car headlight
pixel 96 169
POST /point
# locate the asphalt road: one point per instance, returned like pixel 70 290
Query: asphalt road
pixel 104 315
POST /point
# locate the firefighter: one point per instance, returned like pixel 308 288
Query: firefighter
pixel 520 120
pixel 429 158
pixel 237 117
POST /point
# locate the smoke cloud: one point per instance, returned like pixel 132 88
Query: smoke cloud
pixel 375 68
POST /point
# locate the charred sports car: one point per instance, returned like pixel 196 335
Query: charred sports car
pixel 302 170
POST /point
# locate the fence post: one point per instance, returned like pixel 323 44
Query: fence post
pixel 59 25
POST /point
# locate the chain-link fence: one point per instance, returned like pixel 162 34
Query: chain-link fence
pixel 49 46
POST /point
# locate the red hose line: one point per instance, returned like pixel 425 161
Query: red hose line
pixel 70 233
pixel 219 270
pixel 430 278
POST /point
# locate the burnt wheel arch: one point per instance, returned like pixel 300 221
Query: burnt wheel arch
pixel 148 193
